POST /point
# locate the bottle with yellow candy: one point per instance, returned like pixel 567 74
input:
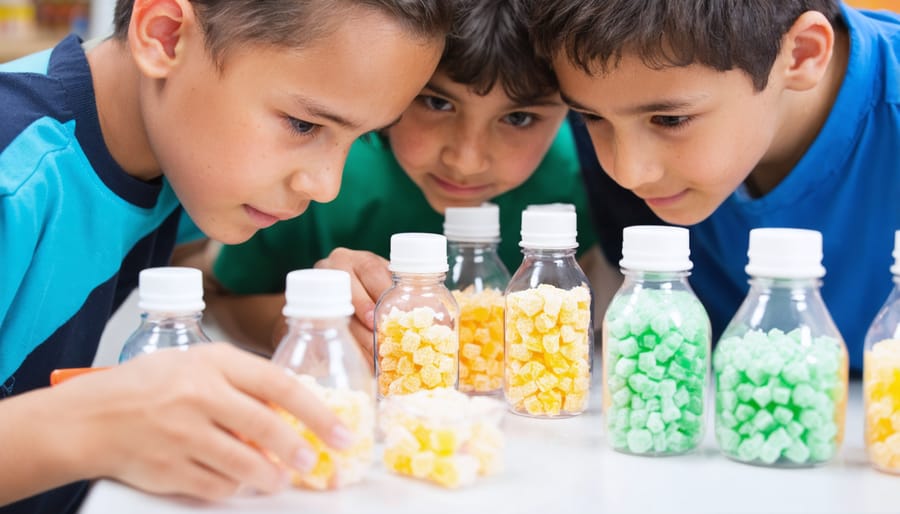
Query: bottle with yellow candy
pixel 881 379
pixel 548 325
pixel 477 279
pixel 320 351
pixel 416 332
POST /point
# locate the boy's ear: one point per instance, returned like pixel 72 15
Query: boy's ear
pixel 807 49
pixel 157 32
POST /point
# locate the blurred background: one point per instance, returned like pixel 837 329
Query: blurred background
pixel 27 26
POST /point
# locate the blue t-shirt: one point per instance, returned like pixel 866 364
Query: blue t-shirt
pixel 75 230
pixel 846 186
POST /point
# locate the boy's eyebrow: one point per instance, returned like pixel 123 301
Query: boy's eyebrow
pixel 441 91
pixel 656 106
pixel 319 110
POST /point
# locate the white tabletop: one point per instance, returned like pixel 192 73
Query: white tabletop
pixel 566 466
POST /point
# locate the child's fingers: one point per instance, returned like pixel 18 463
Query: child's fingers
pixel 229 456
pixel 269 383
pixel 192 479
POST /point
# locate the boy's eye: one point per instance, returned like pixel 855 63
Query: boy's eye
pixel 436 104
pixel 670 121
pixel 304 128
pixel 519 119
pixel 588 118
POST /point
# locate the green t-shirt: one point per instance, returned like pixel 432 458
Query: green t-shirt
pixel 377 199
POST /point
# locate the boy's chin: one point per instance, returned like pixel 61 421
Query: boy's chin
pixel 681 217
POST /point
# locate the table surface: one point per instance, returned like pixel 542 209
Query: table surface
pixel 566 465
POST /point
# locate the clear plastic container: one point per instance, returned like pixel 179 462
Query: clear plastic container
pixel 781 365
pixel 171 304
pixel 881 379
pixel 548 325
pixel 416 331
pixel 442 436
pixel 656 348
pixel 320 351
pixel 477 279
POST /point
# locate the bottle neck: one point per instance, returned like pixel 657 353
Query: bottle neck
pixel 655 276
pixel 768 283
pixel 470 247
pixel 420 279
pixel 318 324
pixel 548 253
pixel 185 318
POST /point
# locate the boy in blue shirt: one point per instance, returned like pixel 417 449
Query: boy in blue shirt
pixel 742 115
pixel 243 113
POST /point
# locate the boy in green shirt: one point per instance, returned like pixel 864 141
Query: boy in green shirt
pixel 489 126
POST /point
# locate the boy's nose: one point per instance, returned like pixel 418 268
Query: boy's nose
pixel 319 181
pixel 633 165
pixel 467 154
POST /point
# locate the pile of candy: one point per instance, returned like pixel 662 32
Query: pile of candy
pixel 548 350
pixel 442 436
pixel 480 340
pixel 335 469
pixel 414 352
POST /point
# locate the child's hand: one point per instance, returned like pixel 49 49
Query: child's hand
pixel 369 278
pixel 194 422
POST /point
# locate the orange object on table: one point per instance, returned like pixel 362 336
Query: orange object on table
pixel 61 375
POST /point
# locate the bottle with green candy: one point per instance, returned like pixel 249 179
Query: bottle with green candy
pixel 656 347
pixel 781 365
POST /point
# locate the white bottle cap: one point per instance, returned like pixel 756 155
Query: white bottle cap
pixel 473 224
pixel 564 207
pixel 549 228
pixel 416 252
pixel 895 269
pixel 317 293
pixel 785 253
pixel 656 248
pixel 170 289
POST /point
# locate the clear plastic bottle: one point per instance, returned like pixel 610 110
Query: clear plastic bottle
pixel 781 365
pixel 656 347
pixel 320 351
pixel 171 304
pixel 477 279
pixel 416 331
pixel 548 325
pixel 881 379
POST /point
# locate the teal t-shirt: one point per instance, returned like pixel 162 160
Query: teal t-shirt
pixel 377 199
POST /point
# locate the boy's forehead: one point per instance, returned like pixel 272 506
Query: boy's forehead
pixel 632 87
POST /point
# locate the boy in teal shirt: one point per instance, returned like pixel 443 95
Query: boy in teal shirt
pixel 489 126
pixel 242 113
pixel 727 116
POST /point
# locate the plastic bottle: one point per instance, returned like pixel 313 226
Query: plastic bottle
pixel 656 347
pixel 416 331
pixel 781 365
pixel 320 351
pixel 171 304
pixel 548 325
pixel 477 279
pixel 881 379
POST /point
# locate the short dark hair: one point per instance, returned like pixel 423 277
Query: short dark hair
pixel 294 23
pixel 721 34
pixel 489 45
